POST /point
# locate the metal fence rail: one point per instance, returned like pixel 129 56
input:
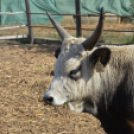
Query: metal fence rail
pixel 91 15
pixel 14 37
pixel 84 29
pixel 12 13
pixel 13 27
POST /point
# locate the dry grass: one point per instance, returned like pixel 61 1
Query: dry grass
pixel 24 77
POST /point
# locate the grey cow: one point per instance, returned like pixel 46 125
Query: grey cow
pixel 96 80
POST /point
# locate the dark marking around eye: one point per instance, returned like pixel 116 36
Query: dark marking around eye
pixel 73 73
pixel 57 52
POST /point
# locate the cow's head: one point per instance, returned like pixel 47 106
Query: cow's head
pixel 76 67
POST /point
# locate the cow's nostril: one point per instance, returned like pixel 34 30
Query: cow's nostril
pixel 50 99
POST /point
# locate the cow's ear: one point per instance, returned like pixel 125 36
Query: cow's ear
pixel 57 52
pixel 99 58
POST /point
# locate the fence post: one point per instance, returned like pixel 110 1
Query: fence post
pixel 78 18
pixel 29 20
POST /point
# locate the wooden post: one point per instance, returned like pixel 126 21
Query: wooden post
pixel 78 18
pixel 29 20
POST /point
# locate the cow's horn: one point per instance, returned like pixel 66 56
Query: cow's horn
pixel 89 43
pixel 61 31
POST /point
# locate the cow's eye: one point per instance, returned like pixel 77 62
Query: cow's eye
pixel 75 74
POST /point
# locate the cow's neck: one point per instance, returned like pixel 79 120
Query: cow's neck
pixel 117 80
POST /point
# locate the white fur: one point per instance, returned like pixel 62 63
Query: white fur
pixel 91 84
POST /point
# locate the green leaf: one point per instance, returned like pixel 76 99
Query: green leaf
pixel 65 104
pixel 40 66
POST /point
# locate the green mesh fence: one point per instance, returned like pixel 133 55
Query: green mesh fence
pixel 119 7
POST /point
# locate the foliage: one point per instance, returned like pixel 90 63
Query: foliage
pixel 40 66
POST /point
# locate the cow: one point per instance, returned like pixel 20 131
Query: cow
pixel 98 80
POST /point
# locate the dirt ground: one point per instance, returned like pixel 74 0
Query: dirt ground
pixel 24 77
